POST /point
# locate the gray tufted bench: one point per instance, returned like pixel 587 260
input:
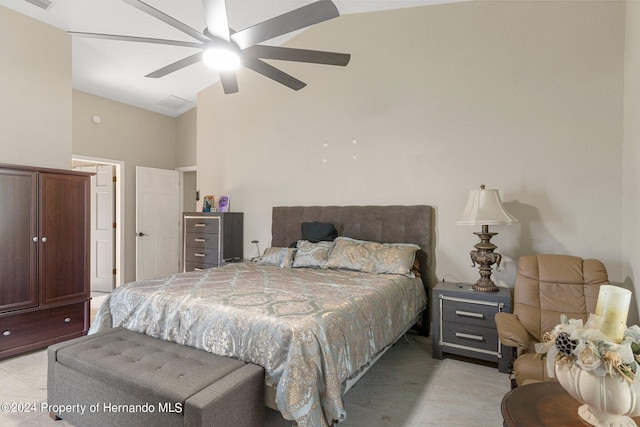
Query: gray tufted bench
pixel 123 378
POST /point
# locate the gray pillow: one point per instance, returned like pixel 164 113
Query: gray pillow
pixel 373 257
pixel 313 255
pixel 281 257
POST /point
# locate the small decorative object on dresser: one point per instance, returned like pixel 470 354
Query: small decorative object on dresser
pixel 44 278
pixel 207 204
pixel 463 323
pixel 485 208
pixel 211 238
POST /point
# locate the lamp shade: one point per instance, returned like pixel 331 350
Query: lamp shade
pixel 484 207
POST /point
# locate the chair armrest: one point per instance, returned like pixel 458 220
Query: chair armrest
pixel 511 332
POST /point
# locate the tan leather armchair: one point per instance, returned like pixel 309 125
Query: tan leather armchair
pixel 546 286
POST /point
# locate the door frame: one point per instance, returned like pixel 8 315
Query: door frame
pixel 119 196
pixel 182 170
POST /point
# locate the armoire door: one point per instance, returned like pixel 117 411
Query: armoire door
pixel 64 238
pixel 18 229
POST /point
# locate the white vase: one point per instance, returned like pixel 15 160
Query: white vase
pixel 608 401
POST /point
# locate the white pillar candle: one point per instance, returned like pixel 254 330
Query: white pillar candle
pixel 613 307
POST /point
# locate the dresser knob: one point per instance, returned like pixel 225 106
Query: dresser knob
pixel 67 319
pixel 6 333
pixel 35 239
pixel 44 240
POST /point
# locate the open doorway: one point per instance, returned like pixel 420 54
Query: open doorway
pixel 105 222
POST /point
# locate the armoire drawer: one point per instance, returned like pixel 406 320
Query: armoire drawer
pixel 22 329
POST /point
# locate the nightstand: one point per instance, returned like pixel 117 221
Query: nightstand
pixel 463 323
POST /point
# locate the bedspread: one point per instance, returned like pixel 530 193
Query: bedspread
pixel 310 329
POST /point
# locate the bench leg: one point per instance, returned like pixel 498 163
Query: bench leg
pixel 54 417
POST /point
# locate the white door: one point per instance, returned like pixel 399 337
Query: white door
pixel 102 227
pixel 157 222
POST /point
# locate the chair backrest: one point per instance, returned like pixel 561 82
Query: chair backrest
pixel 547 286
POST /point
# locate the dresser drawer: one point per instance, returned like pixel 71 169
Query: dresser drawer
pixel 202 240
pixel 469 313
pixel 22 329
pixel 473 337
pixel 202 225
pixel 196 266
pixel 201 256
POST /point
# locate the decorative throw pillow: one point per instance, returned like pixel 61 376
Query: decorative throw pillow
pixel 281 257
pixel 318 232
pixel 313 255
pixel 373 257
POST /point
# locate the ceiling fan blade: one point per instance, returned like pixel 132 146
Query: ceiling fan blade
pixel 150 10
pixel 229 81
pixel 297 19
pixel 135 39
pixel 215 15
pixel 297 55
pixel 273 73
pixel 178 65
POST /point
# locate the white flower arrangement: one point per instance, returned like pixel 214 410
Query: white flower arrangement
pixel 586 346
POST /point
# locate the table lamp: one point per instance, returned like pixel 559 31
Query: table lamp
pixel 485 208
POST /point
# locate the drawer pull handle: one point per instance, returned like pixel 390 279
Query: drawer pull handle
pixel 198 269
pixel 469 336
pixel 200 224
pixel 200 255
pixel 199 240
pixel 67 319
pixel 469 314
pixel 6 333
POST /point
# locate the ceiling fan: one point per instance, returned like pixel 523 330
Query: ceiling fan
pixel 225 49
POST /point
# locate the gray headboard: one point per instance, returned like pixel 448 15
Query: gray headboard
pixel 385 224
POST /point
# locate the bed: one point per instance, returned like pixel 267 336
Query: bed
pixel 314 330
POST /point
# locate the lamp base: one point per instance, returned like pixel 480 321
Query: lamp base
pixel 485 285
pixel 485 258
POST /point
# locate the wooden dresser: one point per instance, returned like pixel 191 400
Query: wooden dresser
pixel 44 251
pixel 211 238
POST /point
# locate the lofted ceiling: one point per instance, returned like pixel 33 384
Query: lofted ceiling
pixel 116 69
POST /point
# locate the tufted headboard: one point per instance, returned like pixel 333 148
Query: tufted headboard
pixel 385 224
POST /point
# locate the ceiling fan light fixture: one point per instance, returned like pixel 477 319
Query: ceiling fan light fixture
pixel 221 58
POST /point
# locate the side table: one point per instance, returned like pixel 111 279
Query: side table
pixel 544 404
pixel 463 323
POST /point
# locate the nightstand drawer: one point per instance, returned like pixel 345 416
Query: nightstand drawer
pixel 472 337
pixel 470 313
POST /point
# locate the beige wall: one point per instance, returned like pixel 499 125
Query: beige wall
pixel 525 97
pixel 135 136
pixel 186 138
pixel 631 149
pixel 35 87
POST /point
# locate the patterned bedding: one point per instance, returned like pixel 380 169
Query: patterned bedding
pixel 310 329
